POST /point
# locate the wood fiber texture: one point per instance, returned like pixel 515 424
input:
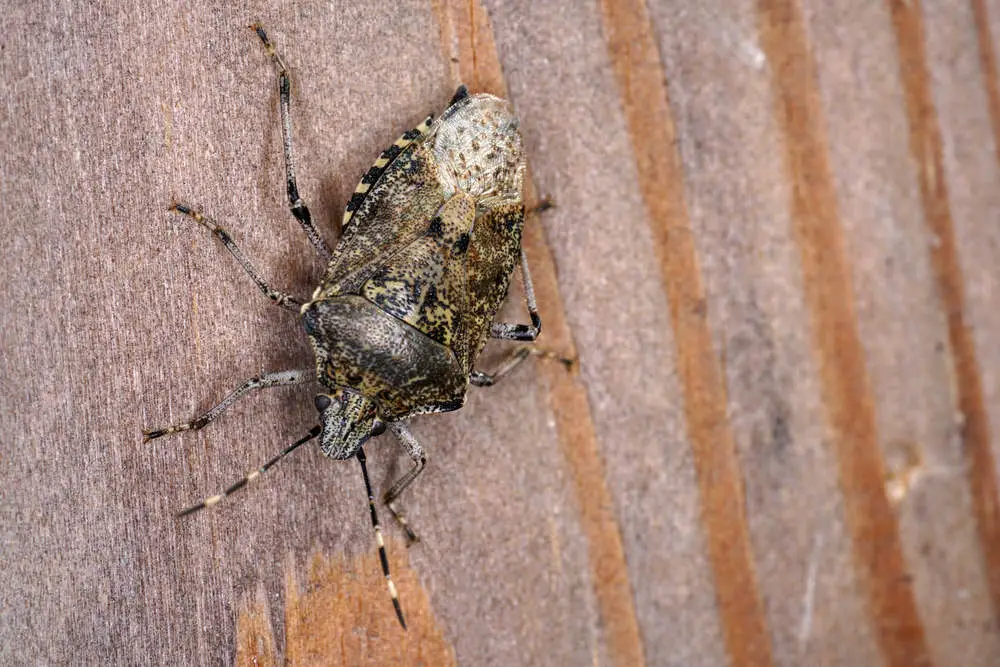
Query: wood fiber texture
pixel 775 253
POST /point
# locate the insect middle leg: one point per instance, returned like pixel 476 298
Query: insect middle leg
pixel 279 379
pixel 511 361
pixel 298 207
pixel 284 300
pixel 416 454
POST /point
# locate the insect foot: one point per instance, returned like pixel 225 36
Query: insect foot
pixel 431 237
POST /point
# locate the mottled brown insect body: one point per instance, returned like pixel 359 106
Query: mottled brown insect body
pixel 430 239
pixel 423 265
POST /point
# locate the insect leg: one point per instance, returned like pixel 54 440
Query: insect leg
pixel 280 379
pixel 298 207
pixel 284 300
pixel 511 361
pixel 522 332
pixel 378 539
pixel 416 454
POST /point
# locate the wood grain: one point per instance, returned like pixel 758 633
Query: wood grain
pixel 846 389
pixel 774 254
pixel 926 149
pixel 720 479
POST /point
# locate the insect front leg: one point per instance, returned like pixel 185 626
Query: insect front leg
pixel 280 379
pixel 522 332
pixel 284 300
pixel 298 207
pixel 416 453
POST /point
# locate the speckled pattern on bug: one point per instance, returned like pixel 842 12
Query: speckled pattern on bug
pixel 430 239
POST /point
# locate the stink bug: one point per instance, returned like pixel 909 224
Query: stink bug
pixel 430 239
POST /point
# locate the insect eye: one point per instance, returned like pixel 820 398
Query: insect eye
pixel 322 402
pixel 378 428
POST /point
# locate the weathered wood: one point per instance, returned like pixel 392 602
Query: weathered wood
pixel 774 250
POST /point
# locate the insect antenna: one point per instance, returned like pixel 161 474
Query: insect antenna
pixel 252 475
pixel 378 540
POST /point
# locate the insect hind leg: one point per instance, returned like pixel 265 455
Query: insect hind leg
pixel 295 203
pixel 522 332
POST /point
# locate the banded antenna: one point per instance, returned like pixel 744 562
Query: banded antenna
pixel 252 475
pixel 379 541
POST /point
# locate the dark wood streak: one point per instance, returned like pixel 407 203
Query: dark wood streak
pixel 467 25
pixel 882 572
pixel 988 63
pixel 634 54
pixel 926 149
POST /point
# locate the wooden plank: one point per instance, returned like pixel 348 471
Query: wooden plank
pixel 757 460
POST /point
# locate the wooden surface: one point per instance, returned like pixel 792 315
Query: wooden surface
pixel 775 252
